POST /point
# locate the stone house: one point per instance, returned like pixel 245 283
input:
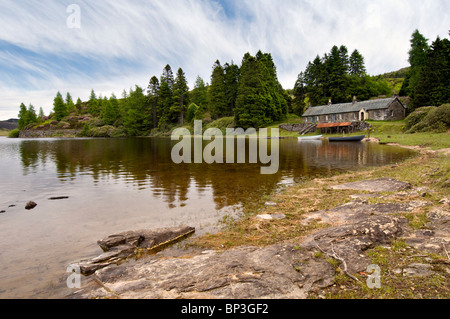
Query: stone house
pixel 379 110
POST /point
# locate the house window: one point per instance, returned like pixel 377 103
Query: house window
pixel 340 116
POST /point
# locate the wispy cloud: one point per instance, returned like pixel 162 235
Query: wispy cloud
pixel 123 43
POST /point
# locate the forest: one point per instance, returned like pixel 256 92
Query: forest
pixel 249 93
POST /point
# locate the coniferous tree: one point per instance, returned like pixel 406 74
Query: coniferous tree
pixel 231 85
pixel 417 59
pixel 93 108
pixel 69 104
pixel 41 114
pixel 200 93
pixel 153 95
pixel 31 115
pixel 59 107
pixel 181 96
pixel 356 63
pixel 217 92
pixel 137 121
pixel 22 116
pixel 299 92
pixel 433 84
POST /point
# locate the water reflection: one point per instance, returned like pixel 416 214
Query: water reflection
pixel 146 164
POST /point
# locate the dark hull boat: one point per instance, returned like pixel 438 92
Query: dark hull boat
pixel 347 139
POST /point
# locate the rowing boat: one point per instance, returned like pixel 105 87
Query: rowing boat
pixel 347 139
pixel 310 138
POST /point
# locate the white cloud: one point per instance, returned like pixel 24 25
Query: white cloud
pixel 123 43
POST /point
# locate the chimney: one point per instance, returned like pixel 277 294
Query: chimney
pixel 354 100
pixel 329 102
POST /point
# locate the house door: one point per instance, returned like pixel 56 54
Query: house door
pixel 362 116
pixel 333 117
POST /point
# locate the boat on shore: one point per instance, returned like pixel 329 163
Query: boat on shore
pixel 310 138
pixel 347 139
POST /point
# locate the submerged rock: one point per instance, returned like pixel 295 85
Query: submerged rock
pixel 30 205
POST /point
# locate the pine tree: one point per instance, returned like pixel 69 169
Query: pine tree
pixel 357 67
pixel 299 92
pixel 31 115
pixel 41 114
pixel 433 84
pixel 231 85
pixel 181 96
pixel 417 59
pixel 200 96
pixel 22 116
pixel 217 93
pixel 153 95
pixel 69 104
pixel 59 107
pixel 93 108
pixel 137 121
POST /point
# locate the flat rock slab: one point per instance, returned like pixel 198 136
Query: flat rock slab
pixel 376 185
pixel 124 245
pixel 278 271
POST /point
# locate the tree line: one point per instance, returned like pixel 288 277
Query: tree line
pixel 427 82
pixel 251 93
pixel 337 77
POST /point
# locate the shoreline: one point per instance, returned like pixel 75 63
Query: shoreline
pixel 296 203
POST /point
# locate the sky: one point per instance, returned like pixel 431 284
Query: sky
pixel 74 46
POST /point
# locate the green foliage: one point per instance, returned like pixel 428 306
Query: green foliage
pixel 14 133
pixel 416 117
pixel 435 120
pixel 137 121
pixel 338 78
pixel 260 99
pixel 218 105
pixel 433 83
pixel 191 112
pixel 59 108
pixel 200 93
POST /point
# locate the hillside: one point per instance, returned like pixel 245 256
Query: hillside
pixel 10 124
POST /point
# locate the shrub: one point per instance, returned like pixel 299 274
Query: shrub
pixel 14 133
pixel 417 116
pixel 436 120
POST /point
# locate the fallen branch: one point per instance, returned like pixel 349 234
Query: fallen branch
pixel 335 256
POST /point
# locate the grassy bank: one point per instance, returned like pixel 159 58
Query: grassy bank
pixel 4 132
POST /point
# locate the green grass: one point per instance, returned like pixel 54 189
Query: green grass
pixel 393 132
pixel 4 132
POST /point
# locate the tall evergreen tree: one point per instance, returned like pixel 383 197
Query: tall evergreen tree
pixel 217 92
pixel 69 104
pixel 200 93
pixel 433 84
pixel 94 108
pixel 22 116
pixel 417 59
pixel 356 63
pixel 231 85
pixel 153 95
pixel 59 107
pixel 181 96
pixel 299 92
pixel 137 121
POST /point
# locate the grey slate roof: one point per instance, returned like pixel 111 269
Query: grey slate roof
pixel 349 107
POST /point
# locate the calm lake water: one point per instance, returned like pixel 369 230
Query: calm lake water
pixel 116 185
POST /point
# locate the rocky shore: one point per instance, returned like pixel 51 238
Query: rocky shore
pixel 308 267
